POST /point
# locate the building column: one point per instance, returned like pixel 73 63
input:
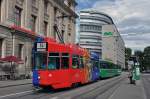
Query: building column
pixel 51 21
pixel 40 17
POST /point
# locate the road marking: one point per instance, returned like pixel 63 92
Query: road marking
pixel 54 98
pixel 15 94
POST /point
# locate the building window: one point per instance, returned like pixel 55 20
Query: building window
pixel 20 51
pixel 45 28
pixel 45 6
pixel 1 44
pixel 62 34
pixel 34 3
pixel 55 15
pixel 55 21
pixel 17 16
pixel 33 23
pixel 90 28
pixel 69 30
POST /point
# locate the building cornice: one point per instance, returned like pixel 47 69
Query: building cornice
pixel 66 8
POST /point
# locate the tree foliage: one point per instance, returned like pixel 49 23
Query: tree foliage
pixel 146 57
pixel 128 53
pixel 140 55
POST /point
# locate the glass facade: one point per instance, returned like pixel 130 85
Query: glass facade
pixel 91 30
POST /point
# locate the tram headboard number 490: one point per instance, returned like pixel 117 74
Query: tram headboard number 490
pixel 41 46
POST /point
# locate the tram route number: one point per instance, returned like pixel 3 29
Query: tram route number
pixel 41 46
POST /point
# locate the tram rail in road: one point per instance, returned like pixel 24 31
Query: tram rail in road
pixel 89 91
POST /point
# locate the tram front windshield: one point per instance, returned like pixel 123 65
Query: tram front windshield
pixel 40 60
pixel 54 61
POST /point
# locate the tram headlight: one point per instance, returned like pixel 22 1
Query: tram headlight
pixel 50 75
pixel 39 77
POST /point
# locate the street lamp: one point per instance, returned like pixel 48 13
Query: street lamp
pixel 12 52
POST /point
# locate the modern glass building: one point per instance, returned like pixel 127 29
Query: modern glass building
pixel 91 23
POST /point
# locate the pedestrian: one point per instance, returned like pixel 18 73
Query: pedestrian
pixel 130 76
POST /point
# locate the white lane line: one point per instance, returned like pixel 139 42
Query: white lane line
pixel 15 94
pixel 54 98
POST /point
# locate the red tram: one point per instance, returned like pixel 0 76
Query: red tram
pixel 59 65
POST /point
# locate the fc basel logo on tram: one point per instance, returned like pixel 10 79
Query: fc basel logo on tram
pixel 41 46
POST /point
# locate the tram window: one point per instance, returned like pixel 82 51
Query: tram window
pixel 54 54
pixel 103 65
pixel 96 64
pixel 75 61
pixel 110 66
pixel 54 61
pixel 119 66
pixel 81 62
pixel 115 66
pixel 65 61
pixel 40 60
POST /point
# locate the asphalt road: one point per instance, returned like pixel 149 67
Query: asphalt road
pixel 98 90
pixel 146 83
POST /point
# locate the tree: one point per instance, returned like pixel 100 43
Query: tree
pixel 140 55
pixel 128 53
pixel 147 58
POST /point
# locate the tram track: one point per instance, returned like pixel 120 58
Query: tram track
pixel 80 93
pixel 72 93
pixel 39 94
pixel 94 93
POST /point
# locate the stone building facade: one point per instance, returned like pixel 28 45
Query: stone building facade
pixel 21 21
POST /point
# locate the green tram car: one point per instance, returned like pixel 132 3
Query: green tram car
pixel 109 69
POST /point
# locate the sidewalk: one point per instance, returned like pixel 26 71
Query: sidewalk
pixel 129 91
pixel 10 83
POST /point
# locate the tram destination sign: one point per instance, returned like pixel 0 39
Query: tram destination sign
pixel 41 46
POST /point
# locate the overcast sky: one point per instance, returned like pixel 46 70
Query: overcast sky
pixel 132 18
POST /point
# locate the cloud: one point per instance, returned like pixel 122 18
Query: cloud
pixel 132 18
pixel 84 4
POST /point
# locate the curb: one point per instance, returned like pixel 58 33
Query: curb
pixel 14 85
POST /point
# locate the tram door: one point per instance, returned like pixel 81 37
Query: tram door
pixel 76 72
